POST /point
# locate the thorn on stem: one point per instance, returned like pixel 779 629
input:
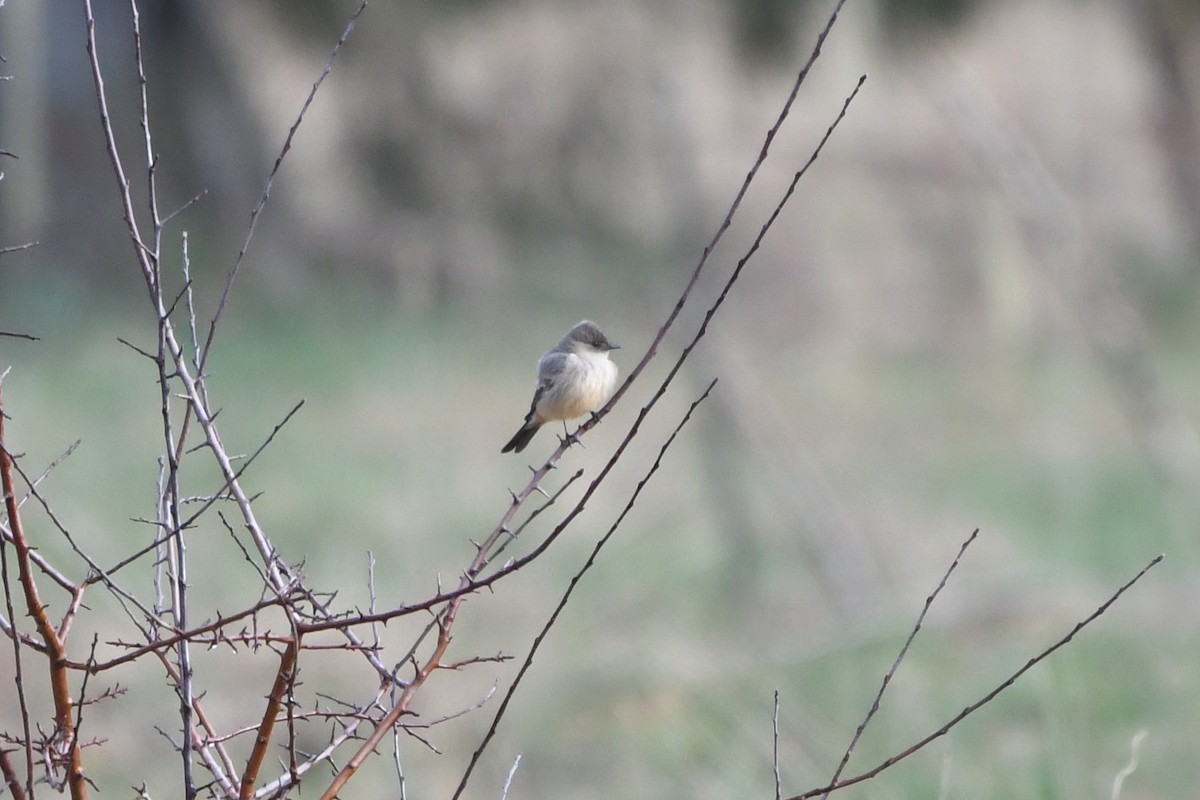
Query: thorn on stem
pixel 572 439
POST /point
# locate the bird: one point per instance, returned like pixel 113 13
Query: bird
pixel 575 377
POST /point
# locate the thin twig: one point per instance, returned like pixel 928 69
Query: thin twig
pixel 887 676
pixel 43 564
pixel 114 155
pixel 209 501
pixel 775 745
pixel 161 643
pixel 566 596
pixel 36 608
pixel 652 348
pixel 401 782
pixel 280 785
pixel 987 698
pixel 551 500
pixel 764 150
pixel 236 476
pixel 19 678
pixel 511 772
pixel 124 597
pixel 16 249
pixel 50 468
pixel 476 582
pixel 266 192
pixel 195 199
pixel 151 158
pixel 203 745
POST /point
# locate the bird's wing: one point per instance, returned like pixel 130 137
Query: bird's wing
pixel 550 366
pixel 537 395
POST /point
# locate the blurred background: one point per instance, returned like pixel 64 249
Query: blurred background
pixel 979 311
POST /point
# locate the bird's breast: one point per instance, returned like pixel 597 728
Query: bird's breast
pixel 583 386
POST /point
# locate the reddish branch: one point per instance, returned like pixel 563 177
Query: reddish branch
pixel 10 776
pixel 283 682
pixel 54 648
pixel 434 662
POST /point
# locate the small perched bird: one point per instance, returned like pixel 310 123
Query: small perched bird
pixel 575 378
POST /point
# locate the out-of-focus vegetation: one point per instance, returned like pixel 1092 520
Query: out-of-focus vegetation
pixel 919 351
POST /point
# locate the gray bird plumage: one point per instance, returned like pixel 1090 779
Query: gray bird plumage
pixel 575 377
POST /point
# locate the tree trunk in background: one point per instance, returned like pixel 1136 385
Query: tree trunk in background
pixel 22 122
pixel 1166 28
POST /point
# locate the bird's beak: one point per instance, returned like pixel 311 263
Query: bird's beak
pixel 614 346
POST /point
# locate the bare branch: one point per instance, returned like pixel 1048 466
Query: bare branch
pixel 10 627
pixel 266 192
pixel 987 698
pixel 220 765
pixel 56 652
pixel 652 349
pixel 887 677
pixel 11 780
pixel 50 468
pixel 566 596
pixel 775 746
pixel 28 336
pixel 472 582
pixel 195 199
pixel 16 249
pixel 283 680
pixel 511 772
pixel 114 155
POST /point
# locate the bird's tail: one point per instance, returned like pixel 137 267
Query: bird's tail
pixel 517 443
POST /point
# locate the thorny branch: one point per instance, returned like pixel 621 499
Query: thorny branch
pixel 472 582
pixel 566 596
pixel 652 349
pixel 64 720
pixel 166 627
pixel 262 738
pixel 174 369
pixel 287 591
